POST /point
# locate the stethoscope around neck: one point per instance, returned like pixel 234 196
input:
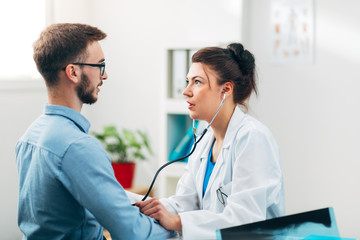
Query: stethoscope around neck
pixel 196 141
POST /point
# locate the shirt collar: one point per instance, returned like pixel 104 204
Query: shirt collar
pixel 80 121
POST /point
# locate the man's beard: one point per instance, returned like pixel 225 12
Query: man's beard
pixel 84 91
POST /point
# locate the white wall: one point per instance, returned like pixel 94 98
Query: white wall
pixel 313 110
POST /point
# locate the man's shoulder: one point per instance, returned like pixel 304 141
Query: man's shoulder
pixel 54 134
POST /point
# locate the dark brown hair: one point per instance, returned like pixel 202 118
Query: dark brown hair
pixel 232 64
pixel 61 44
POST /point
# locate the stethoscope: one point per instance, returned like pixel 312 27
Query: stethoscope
pixel 196 141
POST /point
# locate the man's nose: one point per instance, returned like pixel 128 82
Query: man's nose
pixel 105 76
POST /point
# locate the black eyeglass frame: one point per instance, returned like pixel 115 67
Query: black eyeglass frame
pixel 101 66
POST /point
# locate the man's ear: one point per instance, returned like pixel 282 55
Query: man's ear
pixel 73 73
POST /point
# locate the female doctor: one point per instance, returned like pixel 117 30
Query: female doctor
pixel 234 176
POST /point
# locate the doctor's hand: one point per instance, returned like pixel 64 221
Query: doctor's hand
pixel 153 208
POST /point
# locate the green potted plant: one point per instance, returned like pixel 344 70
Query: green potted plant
pixel 124 149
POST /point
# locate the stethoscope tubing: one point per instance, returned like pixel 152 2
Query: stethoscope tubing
pixel 188 155
pixel 171 162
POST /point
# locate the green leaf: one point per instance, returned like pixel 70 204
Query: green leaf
pixel 124 146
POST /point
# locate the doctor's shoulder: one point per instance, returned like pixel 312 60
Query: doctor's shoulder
pixel 252 129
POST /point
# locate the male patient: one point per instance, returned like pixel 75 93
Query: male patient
pixel 67 186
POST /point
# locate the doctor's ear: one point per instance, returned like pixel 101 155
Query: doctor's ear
pixel 227 88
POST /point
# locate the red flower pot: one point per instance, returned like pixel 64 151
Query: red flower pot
pixel 124 173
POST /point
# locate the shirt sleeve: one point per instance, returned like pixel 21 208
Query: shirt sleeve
pixel 87 174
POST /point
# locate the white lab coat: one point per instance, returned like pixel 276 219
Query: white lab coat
pixel 248 170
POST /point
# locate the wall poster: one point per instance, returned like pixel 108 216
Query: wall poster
pixel 292 31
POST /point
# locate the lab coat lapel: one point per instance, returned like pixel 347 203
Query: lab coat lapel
pixel 231 130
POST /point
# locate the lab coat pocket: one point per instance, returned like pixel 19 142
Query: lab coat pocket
pixel 223 193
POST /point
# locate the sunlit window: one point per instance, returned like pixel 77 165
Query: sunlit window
pixel 21 22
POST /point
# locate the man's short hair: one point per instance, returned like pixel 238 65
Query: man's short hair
pixel 60 45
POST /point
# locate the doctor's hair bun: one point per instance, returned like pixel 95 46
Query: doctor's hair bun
pixel 245 83
pixel 243 57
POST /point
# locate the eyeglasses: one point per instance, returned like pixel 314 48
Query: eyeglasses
pixel 101 66
pixel 221 196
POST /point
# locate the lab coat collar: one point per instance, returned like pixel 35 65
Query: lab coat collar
pixel 233 126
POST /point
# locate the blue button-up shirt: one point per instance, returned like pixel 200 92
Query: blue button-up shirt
pixel 67 186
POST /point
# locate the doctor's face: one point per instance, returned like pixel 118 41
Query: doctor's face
pixel 202 92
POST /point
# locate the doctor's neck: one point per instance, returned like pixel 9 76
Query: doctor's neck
pixel 221 122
